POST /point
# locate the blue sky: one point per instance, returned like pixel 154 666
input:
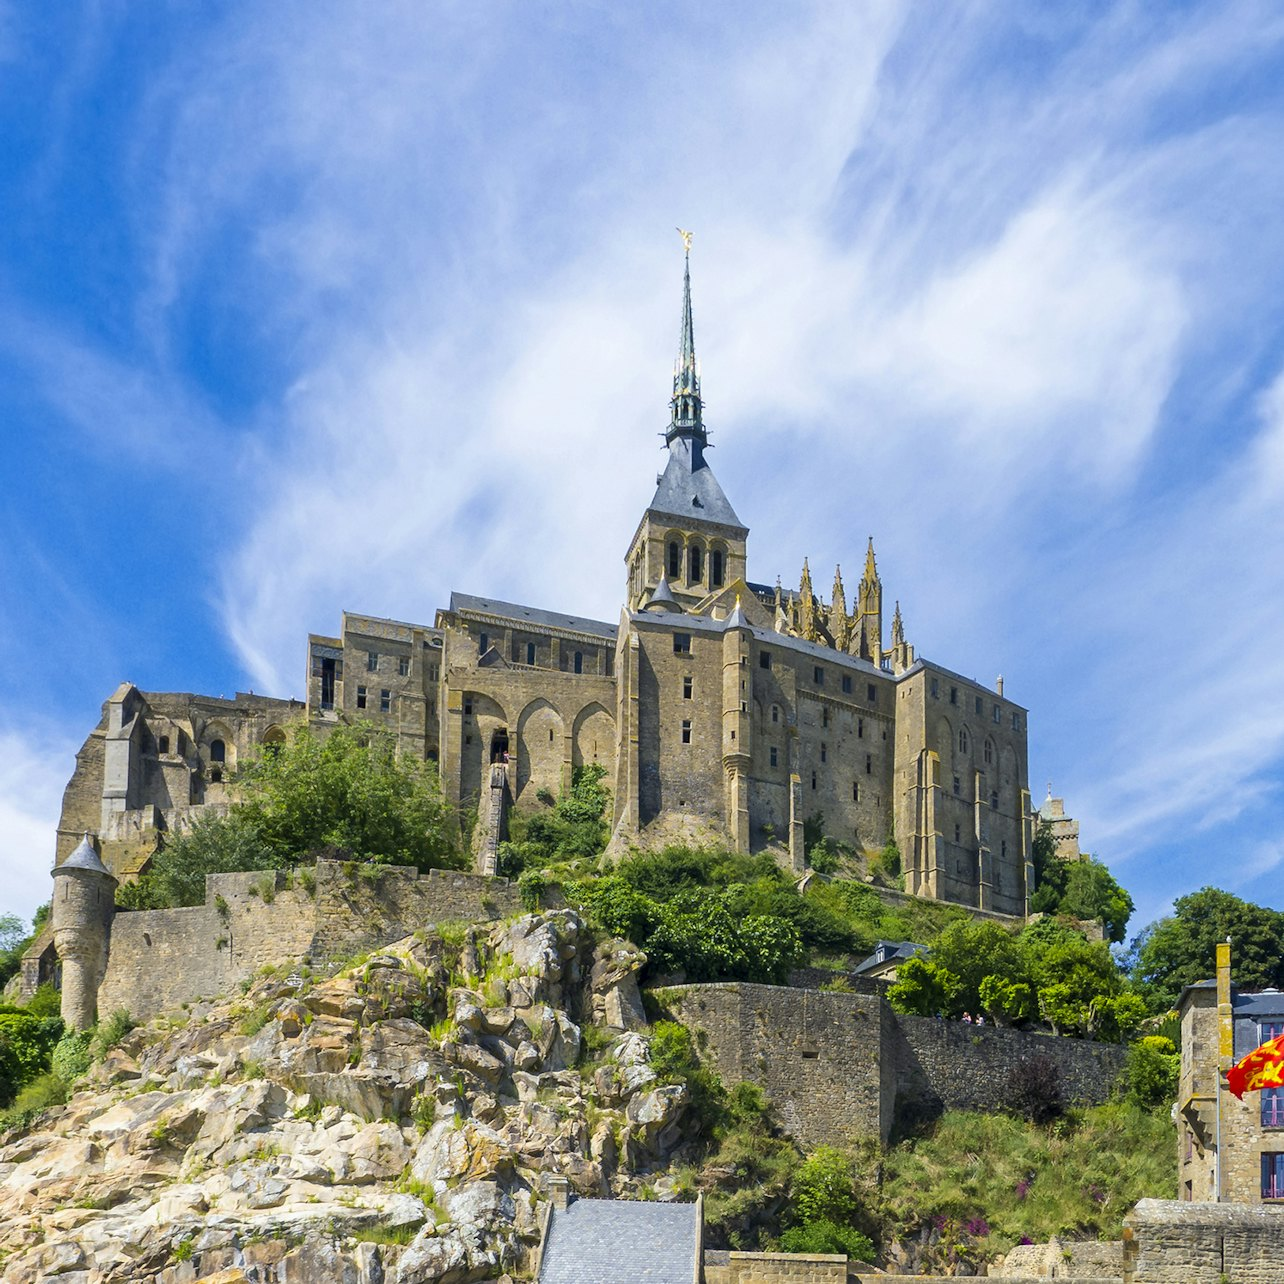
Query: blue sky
pixel 306 307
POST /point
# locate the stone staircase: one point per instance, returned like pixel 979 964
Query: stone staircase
pixel 492 811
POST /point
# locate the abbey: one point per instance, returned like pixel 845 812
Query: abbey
pixel 721 708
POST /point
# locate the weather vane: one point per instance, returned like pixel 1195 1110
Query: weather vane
pixel 686 240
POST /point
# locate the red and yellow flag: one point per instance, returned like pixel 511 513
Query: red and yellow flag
pixel 1262 1068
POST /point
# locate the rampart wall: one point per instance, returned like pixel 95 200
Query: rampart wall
pixel 841 1066
pixel 1167 1241
pixel 160 959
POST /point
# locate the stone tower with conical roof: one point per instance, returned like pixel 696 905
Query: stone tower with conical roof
pixel 81 912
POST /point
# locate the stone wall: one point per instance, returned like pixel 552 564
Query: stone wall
pixel 774 1268
pixel 842 1066
pixel 160 959
pixel 1167 1241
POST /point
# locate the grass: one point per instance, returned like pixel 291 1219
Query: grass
pixel 386 1234
pixel 1077 1177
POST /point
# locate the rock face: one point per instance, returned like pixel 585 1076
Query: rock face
pixel 389 1124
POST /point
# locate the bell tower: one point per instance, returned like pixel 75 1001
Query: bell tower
pixel 689 538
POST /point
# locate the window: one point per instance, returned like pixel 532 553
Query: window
pixel 1003 849
pixel 954 695
pixel 1272 1175
pixel 675 560
pixel 403 666
pixel 385 701
pixel 163 746
pixel 958 786
pixel 818 676
pixel 686 733
pixel 715 567
pixel 372 661
pixel 773 756
pixel 855 791
pixel 994 800
pixel 682 644
pixel 936 689
pixel 686 688
pixel 980 705
pixel 764 659
pixel 775 713
pixel 860 728
pixel 869 764
pixel 989 752
pixel 468 708
pixel 530 653
pixel 847 684
pixel 216 774
pixel 579 662
pixel 1016 722
pixel 218 751
pixel 824 717
pixel 327 683
pixel 998 715
pixel 1273 1107
pixel 958 835
pixel 361 697
pixel 697 567
pixel 824 753
pixel 962 740
pixel 813 780
pixel 483 643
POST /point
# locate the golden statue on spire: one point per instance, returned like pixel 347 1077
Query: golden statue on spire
pixel 686 239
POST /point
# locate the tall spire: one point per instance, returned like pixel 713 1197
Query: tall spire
pixel 688 412
pixel 871 569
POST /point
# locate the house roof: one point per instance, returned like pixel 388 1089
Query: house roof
pixel 466 602
pixel 621 1241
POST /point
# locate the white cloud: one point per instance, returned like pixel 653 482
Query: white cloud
pixel 35 764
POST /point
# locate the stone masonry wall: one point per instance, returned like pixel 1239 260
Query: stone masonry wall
pixel 1168 1241
pixel 842 1066
pixel 774 1268
pixel 160 959
pixel 951 1065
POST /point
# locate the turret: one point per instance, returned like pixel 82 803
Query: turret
pixel 84 903
pixel 737 722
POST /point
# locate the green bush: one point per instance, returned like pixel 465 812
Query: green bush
pixel 35 1098
pixel 107 1034
pixel 1151 1072
pixel 824 1236
pixel 72 1056
pixel 26 1042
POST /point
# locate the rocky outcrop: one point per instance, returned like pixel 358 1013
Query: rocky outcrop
pixel 388 1124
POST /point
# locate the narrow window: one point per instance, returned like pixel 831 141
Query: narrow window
pixel 958 786
pixel 468 708
pixel 1016 722
pixel 682 644
pixel 773 755
pixel 994 800
pixel 824 717
pixel 216 774
pixel 1272 1174
pixel 483 643
pixel 163 747
pixel 989 752
pixel 1003 850
pixel 579 662
pixel 813 780
pixel 855 791
pixel 860 728
pixel 550 735
pixel 775 713
pixel 468 740
pixel 385 701
pixel 715 560
pixel 869 764
pixel 962 740
pixel 872 692
pixel 818 676
pixel 403 666
pixel 686 733
pixel 372 661
pixel 327 683
pixel 958 837
pixel 530 653
pixel 361 697
pixel 936 689
pixel 980 705
pixel 218 751
pixel 764 659
pixel 998 715
pixel 675 560
pixel 686 688
pixel 697 567
pixel 824 753
pixel 847 684
pixel 954 695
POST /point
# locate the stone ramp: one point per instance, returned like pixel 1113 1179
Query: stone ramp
pixel 621 1241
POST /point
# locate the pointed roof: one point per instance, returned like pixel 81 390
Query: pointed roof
pixel 688 411
pixel 662 599
pixel 871 568
pixel 84 857
pixel 736 620
pixel 688 489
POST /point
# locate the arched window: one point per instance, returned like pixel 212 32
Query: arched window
pixel 579 662
pixel 989 752
pixel 675 559
pixel 697 565
pixel 163 745
pixel 962 740
pixel 218 751
pixel 715 568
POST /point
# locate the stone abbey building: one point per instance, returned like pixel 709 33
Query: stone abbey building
pixel 722 709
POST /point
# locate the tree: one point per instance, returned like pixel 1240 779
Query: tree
pixel 823 1206
pixel 1181 949
pixel 1092 893
pixel 924 988
pixel 13 940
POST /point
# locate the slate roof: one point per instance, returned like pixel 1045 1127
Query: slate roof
pixel 547 619
pixel 689 489
pixel 84 857
pixel 887 951
pixel 621 1241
